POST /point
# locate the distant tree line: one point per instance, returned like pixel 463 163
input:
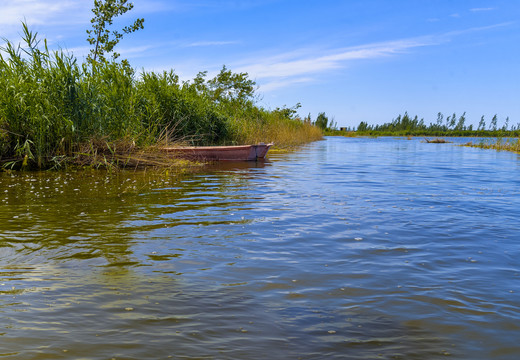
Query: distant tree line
pixel 451 125
pixel 322 121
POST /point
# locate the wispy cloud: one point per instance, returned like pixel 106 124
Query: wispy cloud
pixel 154 6
pixel 481 9
pixel 42 11
pixel 211 43
pixel 222 5
pixel 43 14
pixel 281 83
pixel 447 36
pixel 273 72
pixel 297 67
pixel 56 13
pixel 38 12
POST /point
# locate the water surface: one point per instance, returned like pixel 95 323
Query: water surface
pixel 347 249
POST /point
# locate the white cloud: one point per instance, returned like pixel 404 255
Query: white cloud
pixel 154 6
pixel 60 13
pixel 452 34
pixel 297 64
pixel 43 14
pixel 125 52
pixel 211 43
pixel 135 51
pixel 281 83
pixel 481 9
pixel 39 12
pixel 222 5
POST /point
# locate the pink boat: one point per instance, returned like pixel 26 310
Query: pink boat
pixel 221 153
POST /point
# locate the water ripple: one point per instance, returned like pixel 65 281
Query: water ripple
pixel 348 248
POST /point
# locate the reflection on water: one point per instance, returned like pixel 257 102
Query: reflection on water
pixel 349 248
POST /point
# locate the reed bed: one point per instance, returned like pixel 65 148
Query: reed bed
pixel 271 128
pixel 509 144
pixel 55 111
pixel 435 141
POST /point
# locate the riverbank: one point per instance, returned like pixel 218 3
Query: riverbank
pixel 56 111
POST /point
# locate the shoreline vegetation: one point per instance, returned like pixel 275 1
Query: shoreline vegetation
pixel 505 137
pixel 57 112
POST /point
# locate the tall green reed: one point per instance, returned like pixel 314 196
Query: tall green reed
pixel 35 102
pixel 167 104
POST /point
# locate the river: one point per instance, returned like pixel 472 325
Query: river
pixel 350 248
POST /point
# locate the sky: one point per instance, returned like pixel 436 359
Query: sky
pixel 355 60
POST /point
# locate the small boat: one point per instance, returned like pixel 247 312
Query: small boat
pixel 221 153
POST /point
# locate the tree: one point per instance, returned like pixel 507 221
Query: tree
pixel 506 124
pixel 307 119
pixel 363 126
pixel 333 124
pixel 453 121
pixel 229 86
pixel 460 124
pixel 493 123
pixel 100 36
pixel 322 121
pixel 482 124
pixel 289 113
pixel 440 118
pixel 199 82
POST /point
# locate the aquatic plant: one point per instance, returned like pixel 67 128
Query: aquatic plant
pixel 435 141
pixel 37 100
pixel 500 144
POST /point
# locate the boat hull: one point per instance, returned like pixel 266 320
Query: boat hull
pixel 221 153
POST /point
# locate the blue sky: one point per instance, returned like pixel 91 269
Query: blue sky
pixel 355 60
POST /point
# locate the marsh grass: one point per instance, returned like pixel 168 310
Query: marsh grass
pixel 98 153
pixel 500 144
pixel 436 141
pixel 271 128
pixel 55 111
